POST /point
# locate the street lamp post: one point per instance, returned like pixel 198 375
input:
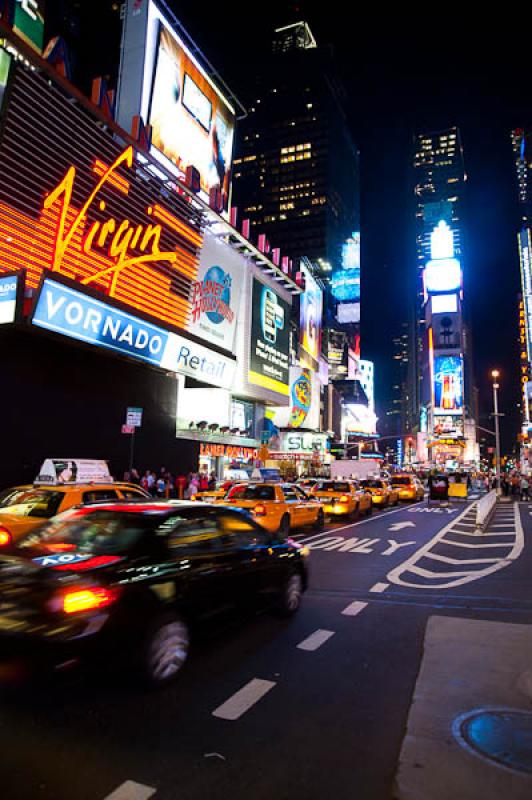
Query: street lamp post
pixel 495 374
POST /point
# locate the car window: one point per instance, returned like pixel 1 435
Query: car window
pixel 33 502
pixel 402 481
pixel 333 486
pixel 373 484
pixel 99 494
pixel 300 493
pixel 242 533
pixel 132 494
pixel 97 533
pixel 190 535
pixel 289 493
pixel 251 492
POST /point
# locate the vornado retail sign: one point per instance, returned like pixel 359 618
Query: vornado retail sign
pixel 62 309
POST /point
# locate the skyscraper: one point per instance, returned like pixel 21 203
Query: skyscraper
pixel 296 174
pixel 444 352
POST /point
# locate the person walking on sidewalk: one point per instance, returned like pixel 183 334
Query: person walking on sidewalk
pixel 525 486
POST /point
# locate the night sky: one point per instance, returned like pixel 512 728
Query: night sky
pixel 401 79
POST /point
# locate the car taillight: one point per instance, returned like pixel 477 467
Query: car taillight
pixel 344 499
pixel 260 511
pixel 92 599
pixel 5 537
pixel 194 497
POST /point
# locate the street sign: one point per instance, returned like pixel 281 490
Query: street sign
pixel 134 417
pixel 128 429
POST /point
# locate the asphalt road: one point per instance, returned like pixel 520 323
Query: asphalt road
pixel 302 709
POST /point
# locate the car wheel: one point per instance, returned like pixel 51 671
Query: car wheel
pixel 319 524
pixel 291 595
pixel 165 650
pixel 284 527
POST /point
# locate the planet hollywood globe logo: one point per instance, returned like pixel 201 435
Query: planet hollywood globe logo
pixel 212 297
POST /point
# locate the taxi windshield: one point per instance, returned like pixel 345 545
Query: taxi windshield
pixel 332 486
pixel 97 533
pixel 253 492
pixel 32 502
pixel 372 484
pixel 402 481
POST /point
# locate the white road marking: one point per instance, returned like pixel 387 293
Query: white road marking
pixel 356 524
pixel 397 526
pixel 394 547
pixel 394 576
pixel 474 546
pixel 449 560
pixel 354 608
pixel 483 534
pixel 315 640
pixel 131 791
pixel 244 699
pixel 379 587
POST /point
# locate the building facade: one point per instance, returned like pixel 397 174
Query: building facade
pixel 446 387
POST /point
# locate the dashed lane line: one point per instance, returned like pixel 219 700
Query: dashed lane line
pixel 315 640
pixel 132 791
pixel 355 524
pixel 244 699
pixel 379 587
pixel 354 608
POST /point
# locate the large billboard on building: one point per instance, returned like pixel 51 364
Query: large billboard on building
pixel 525 259
pixel 310 321
pixel 270 324
pixel 5 63
pixel 216 293
pixel 448 385
pixel 26 17
pixel 76 202
pixel 163 80
pixel 303 409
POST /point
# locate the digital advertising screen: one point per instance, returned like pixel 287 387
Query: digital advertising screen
pixel 311 311
pixel 192 123
pixel 5 64
pixel 345 284
pixel 303 410
pixel 270 335
pixel 448 385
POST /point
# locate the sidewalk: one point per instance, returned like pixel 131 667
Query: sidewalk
pixel 467 665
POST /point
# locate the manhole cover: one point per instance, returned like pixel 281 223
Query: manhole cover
pixel 502 735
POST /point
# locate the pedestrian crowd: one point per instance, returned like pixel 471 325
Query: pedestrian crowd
pixel 515 485
pixel 166 485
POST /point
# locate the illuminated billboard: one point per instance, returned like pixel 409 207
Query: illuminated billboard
pixel 216 293
pixel 10 291
pixel 351 252
pixel 5 63
pixel 448 385
pixel 310 319
pixel 347 313
pixel 525 251
pixel 345 285
pixel 28 22
pixel 303 410
pixel 270 324
pixel 76 202
pixel 444 303
pixel 443 275
pixel 192 123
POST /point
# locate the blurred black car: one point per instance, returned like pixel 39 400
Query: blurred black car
pixel 129 580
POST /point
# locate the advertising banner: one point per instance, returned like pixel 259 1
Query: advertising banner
pixel 8 298
pixel 310 319
pixel 303 410
pixel 448 385
pixel 301 444
pixel 192 122
pixel 28 22
pixel 64 310
pixel 5 63
pixel 270 320
pixel 74 470
pixel 91 212
pixel 215 298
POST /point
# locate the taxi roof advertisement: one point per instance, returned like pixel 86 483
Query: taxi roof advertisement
pixel 193 122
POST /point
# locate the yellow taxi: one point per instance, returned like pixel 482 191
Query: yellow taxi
pixel 342 498
pixel 278 507
pixel 382 493
pixel 212 495
pixel 409 487
pixel 24 508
